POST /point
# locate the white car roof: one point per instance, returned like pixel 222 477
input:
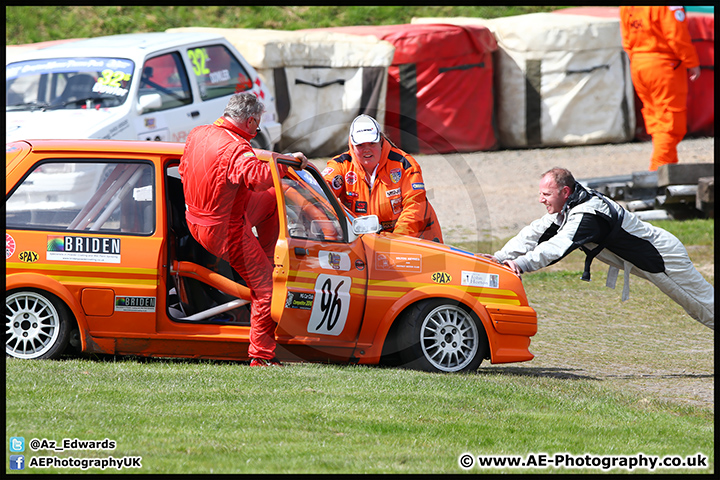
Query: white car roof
pixel 131 45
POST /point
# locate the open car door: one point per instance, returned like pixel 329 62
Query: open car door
pixel 320 276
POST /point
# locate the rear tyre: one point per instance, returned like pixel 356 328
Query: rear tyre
pixel 441 336
pixel 37 325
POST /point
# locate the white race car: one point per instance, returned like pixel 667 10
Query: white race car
pixel 140 86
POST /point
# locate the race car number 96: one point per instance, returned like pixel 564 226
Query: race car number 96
pixel 331 305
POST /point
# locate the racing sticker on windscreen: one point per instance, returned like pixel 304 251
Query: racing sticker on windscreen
pixel 134 304
pixel 331 305
pixel 477 279
pixel 83 249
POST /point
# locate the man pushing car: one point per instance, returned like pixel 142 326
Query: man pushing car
pixel 585 219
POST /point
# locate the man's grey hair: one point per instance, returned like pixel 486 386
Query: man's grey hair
pixel 562 177
pixel 243 106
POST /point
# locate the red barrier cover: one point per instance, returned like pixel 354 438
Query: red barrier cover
pixel 440 86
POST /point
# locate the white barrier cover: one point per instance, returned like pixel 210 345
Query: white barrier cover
pixel 560 79
pixel 325 76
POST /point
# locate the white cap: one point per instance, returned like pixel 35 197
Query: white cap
pixel 364 129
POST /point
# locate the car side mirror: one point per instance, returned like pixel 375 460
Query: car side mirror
pixel 151 101
pixel 366 224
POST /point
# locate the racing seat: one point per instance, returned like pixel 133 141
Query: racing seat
pixel 78 87
pixel 195 296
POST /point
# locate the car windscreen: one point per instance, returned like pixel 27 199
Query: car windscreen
pixel 67 83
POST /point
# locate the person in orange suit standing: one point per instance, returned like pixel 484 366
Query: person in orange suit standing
pixel 374 177
pixel 662 58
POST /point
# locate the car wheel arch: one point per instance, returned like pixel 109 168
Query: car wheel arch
pixel 390 322
pixel 49 286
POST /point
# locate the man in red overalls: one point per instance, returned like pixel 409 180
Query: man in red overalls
pixel 662 58
pixel 228 190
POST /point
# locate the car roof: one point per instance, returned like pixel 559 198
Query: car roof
pixel 125 45
pixel 105 146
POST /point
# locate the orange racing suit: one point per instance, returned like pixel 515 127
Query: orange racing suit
pixel 660 49
pixel 228 190
pixel 397 197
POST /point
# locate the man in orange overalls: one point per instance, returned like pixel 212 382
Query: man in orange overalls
pixel 660 49
pixel 374 177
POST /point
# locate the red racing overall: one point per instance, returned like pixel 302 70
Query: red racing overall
pixel 228 190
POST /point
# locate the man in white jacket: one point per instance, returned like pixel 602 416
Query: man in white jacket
pixel 585 219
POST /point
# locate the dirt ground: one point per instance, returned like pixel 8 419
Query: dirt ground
pixel 492 195
pixel 502 186
pixel 481 195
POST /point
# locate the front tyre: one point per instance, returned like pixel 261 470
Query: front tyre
pixel 441 336
pixel 37 325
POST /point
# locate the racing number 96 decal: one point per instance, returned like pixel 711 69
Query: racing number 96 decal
pixel 331 306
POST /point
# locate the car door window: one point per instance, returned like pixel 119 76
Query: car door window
pixel 218 72
pixel 85 196
pixel 166 76
pixel 310 213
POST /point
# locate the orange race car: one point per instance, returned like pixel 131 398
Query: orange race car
pixel 99 258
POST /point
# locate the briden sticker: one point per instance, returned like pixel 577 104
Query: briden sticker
pixel 83 249
pixel 134 304
pixel 477 279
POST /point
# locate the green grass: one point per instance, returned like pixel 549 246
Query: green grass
pixel 608 378
pixel 690 232
pixel 41 23
pixel 217 417
pixel 693 232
